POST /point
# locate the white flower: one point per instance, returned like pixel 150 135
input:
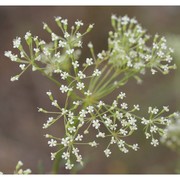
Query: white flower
pixel 81 75
pixel 75 64
pixel 169 58
pixel 75 150
pixel 64 111
pixel 108 122
pixel 40 110
pixel 122 95
pixel 153 71
pixel 90 27
pixel 66 35
pixel 113 127
pixel 65 141
pixel 35 38
pixel 53 155
pixel 113 140
pixel 79 159
pixel 22 66
pixel 57 55
pixel 100 104
pixel 54 37
pixel 16 42
pixel 49 93
pixel 77 103
pixel 155 46
pixel 147 135
pixel 100 134
pixel 166 108
pixel 114 104
pixel 124 106
pixel 52 143
pixel 45 125
pixel 90 109
pixel 78 35
pixel 70 115
pixel 135 147
pixel 45 25
pixel 70 51
pixel 107 152
pixel 145 121
pixel 46 51
pixel 99 55
pixel 153 129
pixel 54 103
pixel 72 129
pixel 27 35
pixel 79 137
pixel 13 57
pixel 47 136
pixel 96 72
pixel 113 16
pixel 50 119
pixel 42 42
pixel 69 165
pixel 90 45
pixel 64 88
pixel 123 131
pixel 96 124
pixel 62 44
pixel 171 50
pixel 136 107
pixel 36 50
pixel 64 21
pixel 79 23
pixel 154 142
pixel 163 46
pixel 89 61
pixel 15 78
pixel 153 110
pixel 125 20
pixel 80 85
pixel 83 113
pixel 64 75
pixel 8 54
pixel 133 21
pixel 160 54
pixel 19 164
pixel 132 121
pixel 124 150
pixel 65 155
pixel 93 144
pixel 58 18
pixel 79 44
pixel 88 93
pixel 121 143
pixel 119 115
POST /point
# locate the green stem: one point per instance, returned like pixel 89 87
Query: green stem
pixel 103 79
pixel 105 87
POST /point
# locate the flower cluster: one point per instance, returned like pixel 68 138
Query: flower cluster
pixel 128 42
pixel 114 122
pixel 85 85
pixel 49 58
pixel 171 137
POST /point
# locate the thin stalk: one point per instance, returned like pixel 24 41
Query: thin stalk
pixel 103 79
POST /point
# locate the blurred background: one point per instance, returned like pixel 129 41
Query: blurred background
pixel 21 134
